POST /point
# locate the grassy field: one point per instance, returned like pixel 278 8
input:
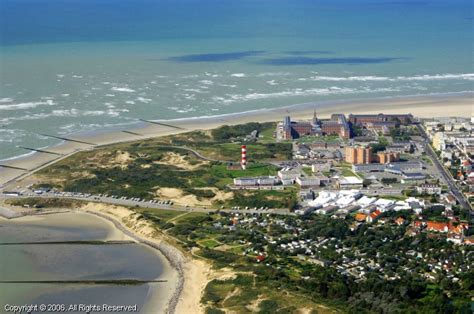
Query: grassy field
pixel 248 293
pixel 209 243
pixel 161 213
pixel 40 202
pixel 348 172
pixel 255 151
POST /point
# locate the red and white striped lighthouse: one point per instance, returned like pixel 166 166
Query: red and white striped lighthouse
pixel 243 162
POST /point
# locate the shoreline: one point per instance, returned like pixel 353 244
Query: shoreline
pixel 421 106
pixel 184 267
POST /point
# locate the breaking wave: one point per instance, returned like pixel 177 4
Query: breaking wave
pixel 231 98
pixel 123 89
pixel 371 78
pixel 27 105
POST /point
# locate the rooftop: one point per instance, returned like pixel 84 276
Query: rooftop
pixel 350 180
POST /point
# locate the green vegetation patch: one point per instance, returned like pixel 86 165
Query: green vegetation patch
pixel 264 198
pixel 40 202
pixel 164 214
pixel 209 243
pixel 228 132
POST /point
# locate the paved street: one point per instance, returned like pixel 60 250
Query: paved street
pixel 444 172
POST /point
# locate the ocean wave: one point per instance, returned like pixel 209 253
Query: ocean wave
pixel 68 113
pixel 123 89
pixel 238 75
pixel 144 100
pixel 75 113
pixel 272 82
pixel 372 78
pixel 264 74
pixel 27 105
pixel 189 96
pixel 206 82
pixel 228 85
pixel 185 110
pixel 196 90
pixel 231 98
pixel 6 99
pixel 212 74
pixel 18 156
pixel 11 135
pixel 116 112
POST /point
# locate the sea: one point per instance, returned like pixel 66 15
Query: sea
pixel 81 65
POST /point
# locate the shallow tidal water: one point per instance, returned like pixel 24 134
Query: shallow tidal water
pixel 37 273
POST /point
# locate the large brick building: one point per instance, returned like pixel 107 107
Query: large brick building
pixel 337 125
pixel 380 119
pixel 388 157
pixel 359 155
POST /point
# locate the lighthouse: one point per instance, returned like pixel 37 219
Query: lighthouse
pixel 243 161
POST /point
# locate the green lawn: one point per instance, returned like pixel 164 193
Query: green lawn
pixel 209 243
pixel 267 133
pixel 255 151
pixel 189 217
pixel 164 214
pixel 394 197
pixel 348 173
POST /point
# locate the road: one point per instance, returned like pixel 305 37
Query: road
pixel 444 172
pixel 146 204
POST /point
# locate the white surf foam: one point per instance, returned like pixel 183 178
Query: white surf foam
pixel 272 82
pixel 231 98
pixel 27 105
pixel 144 100
pixel 123 89
pixel 373 78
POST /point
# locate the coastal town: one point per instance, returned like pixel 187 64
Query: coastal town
pixel 364 196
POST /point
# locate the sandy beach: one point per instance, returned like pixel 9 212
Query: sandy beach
pixel 422 106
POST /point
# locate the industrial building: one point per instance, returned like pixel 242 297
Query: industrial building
pixel 256 181
pixel 350 183
pixel 306 182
